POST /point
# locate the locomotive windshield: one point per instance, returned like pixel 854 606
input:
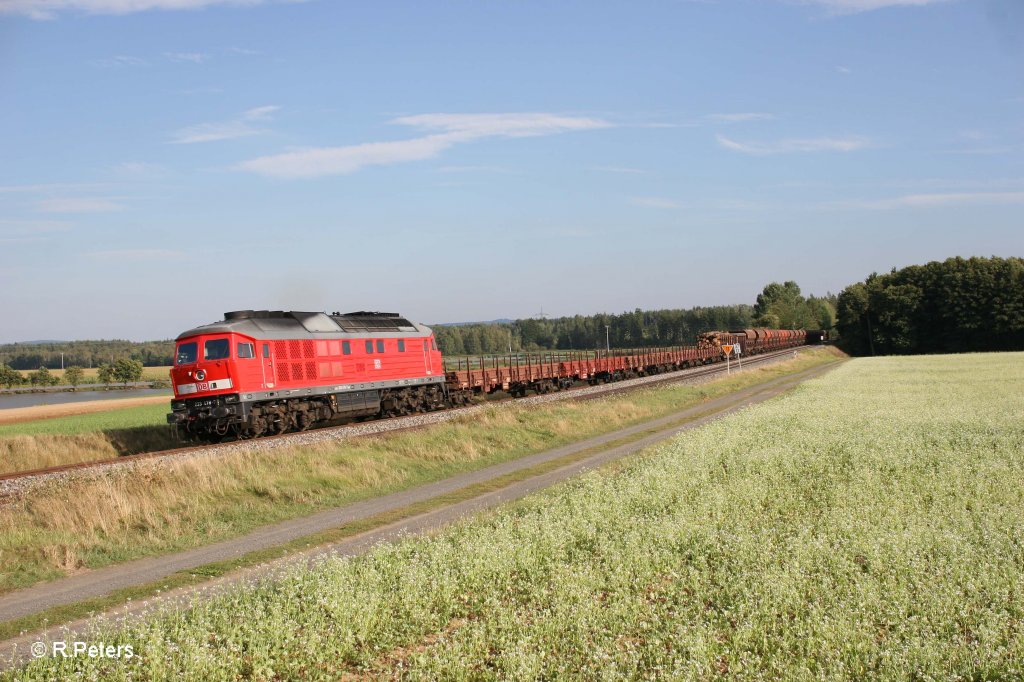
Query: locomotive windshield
pixel 217 349
pixel 186 353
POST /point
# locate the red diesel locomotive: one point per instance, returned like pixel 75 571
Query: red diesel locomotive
pixel 267 372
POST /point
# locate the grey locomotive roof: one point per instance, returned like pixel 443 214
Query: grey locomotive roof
pixel 278 324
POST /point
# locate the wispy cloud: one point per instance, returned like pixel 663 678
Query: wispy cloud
pixel 119 60
pixel 655 202
pixel 52 187
pixel 618 169
pixel 243 126
pixel 855 6
pixel 139 170
pixel 473 169
pixel 845 70
pixel 49 9
pixel 14 232
pixel 192 57
pixel 942 200
pixel 23 230
pixel 136 254
pixel 445 131
pixel 739 118
pixel 78 205
pixel 789 146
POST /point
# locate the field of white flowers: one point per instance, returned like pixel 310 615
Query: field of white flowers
pixel 868 525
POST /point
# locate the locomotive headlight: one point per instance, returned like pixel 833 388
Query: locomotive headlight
pixel 200 375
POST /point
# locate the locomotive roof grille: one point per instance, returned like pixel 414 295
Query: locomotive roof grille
pixel 356 322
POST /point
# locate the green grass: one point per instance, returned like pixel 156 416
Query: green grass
pixel 867 525
pixel 109 420
pixel 168 506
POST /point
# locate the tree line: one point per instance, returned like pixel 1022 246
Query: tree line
pixel 85 353
pixel 588 332
pixel 953 306
pixel 123 371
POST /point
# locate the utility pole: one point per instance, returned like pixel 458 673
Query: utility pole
pixel 607 338
pixel 62 362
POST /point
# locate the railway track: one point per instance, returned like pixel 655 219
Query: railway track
pixel 9 482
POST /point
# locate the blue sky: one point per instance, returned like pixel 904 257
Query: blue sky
pixel 164 161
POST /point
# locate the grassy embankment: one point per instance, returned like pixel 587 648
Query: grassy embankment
pixel 91 374
pixel 85 437
pixel 167 506
pixel 868 525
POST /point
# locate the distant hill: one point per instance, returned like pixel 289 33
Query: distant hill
pixel 503 320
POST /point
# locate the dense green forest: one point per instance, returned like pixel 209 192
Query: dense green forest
pixel 957 305
pixel 85 353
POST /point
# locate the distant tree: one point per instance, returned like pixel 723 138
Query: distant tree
pixel 126 370
pixel 105 374
pixel 42 377
pixel 782 306
pixel 9 377
pixel 74 375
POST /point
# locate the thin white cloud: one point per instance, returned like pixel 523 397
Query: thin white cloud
pixel 120 60
pixel 789 146
pixel 845 70
pixel 655 202
pixel 43 188
pixel 139 170
pixel 78 205
pixel 226 130
pixel 740 117
pixel 136 254
pixel 446 131
pixel 31 228
pixel 855 6
pixel 618 169
pixel 473 169
pixel 193 57
pixel 49 9
pixel 941 200
pixel 472 126
pixel 309 163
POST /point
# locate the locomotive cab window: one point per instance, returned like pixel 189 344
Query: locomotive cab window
pixel 246 350
pixel 369 346
pixel 380 346
pixel 401 345
pixel 266 350
pixel 346 348
pixel 217 349
pixel 186 353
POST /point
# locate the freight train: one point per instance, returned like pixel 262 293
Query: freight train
pixel 258 373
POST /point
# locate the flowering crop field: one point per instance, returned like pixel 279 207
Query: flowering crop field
pixel 867 525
